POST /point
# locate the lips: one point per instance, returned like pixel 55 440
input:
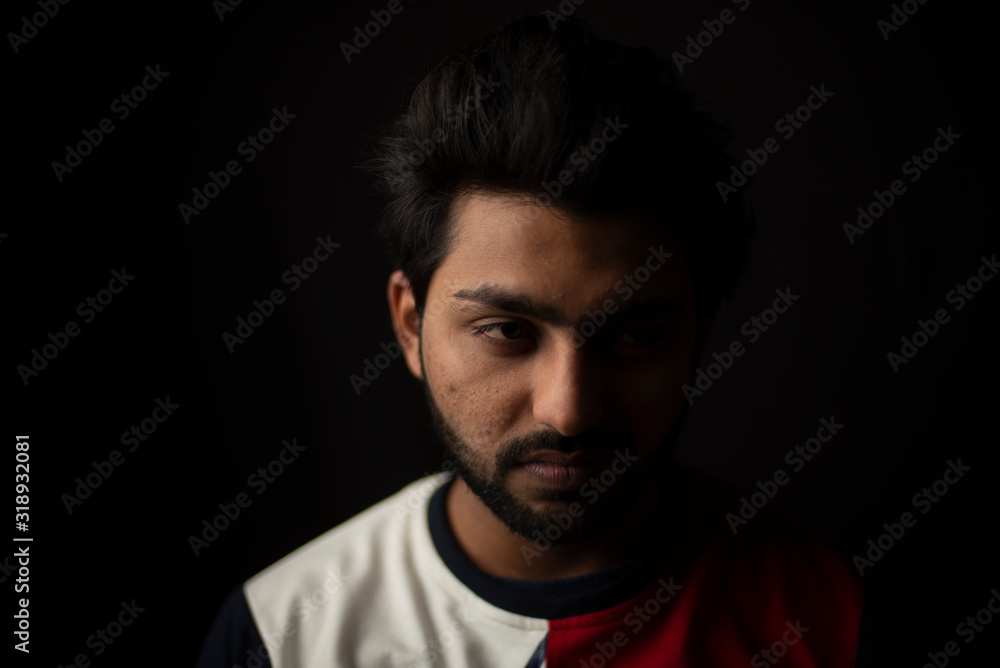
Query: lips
pixel 567 459
pixel 566 471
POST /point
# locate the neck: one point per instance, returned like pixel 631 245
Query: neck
pixel 496 550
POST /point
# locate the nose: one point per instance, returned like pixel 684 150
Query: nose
pixel 567 392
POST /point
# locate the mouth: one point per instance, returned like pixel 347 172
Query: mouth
pixel 567 459
pixel 565 471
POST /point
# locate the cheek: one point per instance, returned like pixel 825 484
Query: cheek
pixel 478 401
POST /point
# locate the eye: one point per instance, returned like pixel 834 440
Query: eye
pixel 501 333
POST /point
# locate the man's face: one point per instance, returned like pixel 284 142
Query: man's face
pixel 553 352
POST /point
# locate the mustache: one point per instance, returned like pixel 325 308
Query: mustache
pixel 520 448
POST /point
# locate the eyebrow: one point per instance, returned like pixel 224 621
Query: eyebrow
pixel 635 309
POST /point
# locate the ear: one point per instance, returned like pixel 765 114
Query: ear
pixel 405 320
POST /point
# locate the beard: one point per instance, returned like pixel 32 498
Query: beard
pixel 519 516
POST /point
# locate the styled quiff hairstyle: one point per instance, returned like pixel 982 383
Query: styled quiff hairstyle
pixel 511 112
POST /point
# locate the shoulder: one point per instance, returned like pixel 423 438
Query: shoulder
pixel 233 639
pixel 769 566
pixel 310 602
pixel 355 551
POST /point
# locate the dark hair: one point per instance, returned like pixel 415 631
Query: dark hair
pixel 510 112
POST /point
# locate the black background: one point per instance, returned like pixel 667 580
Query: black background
pixel 162 336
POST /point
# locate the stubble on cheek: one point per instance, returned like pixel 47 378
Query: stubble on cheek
pixel 473 398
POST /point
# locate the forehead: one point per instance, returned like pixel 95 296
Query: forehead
pixel 506 242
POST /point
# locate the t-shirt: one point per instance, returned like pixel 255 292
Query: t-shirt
pixel 392 587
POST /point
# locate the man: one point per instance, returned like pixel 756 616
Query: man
pixel 561 252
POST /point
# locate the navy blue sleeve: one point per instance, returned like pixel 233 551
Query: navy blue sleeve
pixel 234 641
